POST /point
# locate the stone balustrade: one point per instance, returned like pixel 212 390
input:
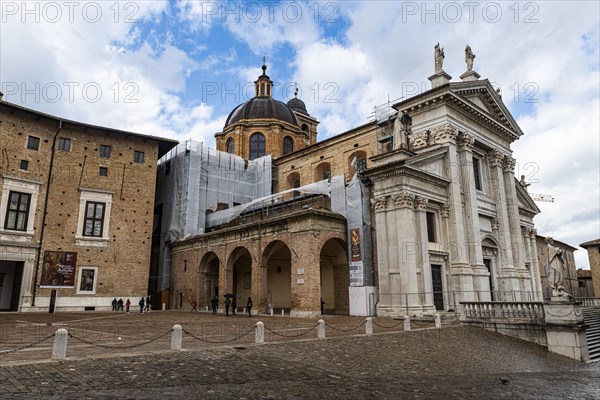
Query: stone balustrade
pixel 589 301
pixel 502 310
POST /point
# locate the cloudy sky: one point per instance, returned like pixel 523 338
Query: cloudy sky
pixel 176 69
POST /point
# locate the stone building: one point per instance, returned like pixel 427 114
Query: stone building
pixel 407 214
pixel 586 285
pixel 570 282
pixel 76 204
pixel 593 250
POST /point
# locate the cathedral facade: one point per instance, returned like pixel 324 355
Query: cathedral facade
pixel 406 215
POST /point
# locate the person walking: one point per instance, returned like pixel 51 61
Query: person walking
pixel 249 306
pixel 114 304
pixel 120 305
pixel 195 306
pixel 214 303
pixel 141 303
pixel 227 304
pixel 127 305
pixel 148 305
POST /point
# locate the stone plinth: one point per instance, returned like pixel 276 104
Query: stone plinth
pixel 565 330
pixel 470 76
pixel 439 79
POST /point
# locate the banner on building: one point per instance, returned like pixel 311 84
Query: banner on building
pixel 355 244
pixel 58 270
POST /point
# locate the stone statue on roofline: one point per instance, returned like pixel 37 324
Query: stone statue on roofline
pixel 556 270
pixel 401 130
pixel 439 58
pixel 469 58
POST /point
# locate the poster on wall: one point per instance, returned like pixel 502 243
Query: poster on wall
pixel 58 270
pixel 356 273
pixel 355 244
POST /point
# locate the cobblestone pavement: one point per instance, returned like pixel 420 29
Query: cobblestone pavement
pixel 450 363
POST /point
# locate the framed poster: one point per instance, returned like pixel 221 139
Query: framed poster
pixel 58 270
pixel 87 280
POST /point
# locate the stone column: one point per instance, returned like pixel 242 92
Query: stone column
pixel 507 271
pixel 537 279
pixel 407 250
pixel 379 206
pixel 423 259
pixel 472 231
pixel 462 274
pixel 258 288
pixel 515 227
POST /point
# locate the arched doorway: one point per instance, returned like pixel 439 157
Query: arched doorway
pixel 490 260
pixel 239 276
pixel 335 277
pixel 209 279
pixel 278 260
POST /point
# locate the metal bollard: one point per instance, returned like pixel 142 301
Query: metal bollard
pixel 406 323
pixel 59 349
pixel 321 329
pixel 438 321
pixel 259 336
pixel 369 326
pixel 176 337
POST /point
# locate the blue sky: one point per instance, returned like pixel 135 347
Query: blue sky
pixel 176 69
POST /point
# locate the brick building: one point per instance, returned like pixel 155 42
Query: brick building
pixel 593 250
pixel 409 213
pixel 570 281
pixel 76 209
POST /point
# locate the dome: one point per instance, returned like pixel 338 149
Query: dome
pixel 297 105
pixel 262 107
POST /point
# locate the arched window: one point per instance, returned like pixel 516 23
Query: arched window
pixel 230 146
pixel 293 181
pixel 323 171
pixel 288 145
pixel 305 128
pixel 257 146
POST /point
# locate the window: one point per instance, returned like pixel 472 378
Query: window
pixel 104 151
pixel 17 211
pixel 477 173
pixel 24 165
pixel 138 157
pixel 94 219
pixel 361 164
pixel 582 284
pixel 64 144
pixel 87 280
pixel 257 146
pixel 230 146
pixel 305 128
pixel 430 227
pixel 103 171
pixel 288 145
pixel 33 143
pixel 326 174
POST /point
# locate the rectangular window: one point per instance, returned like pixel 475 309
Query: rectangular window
pixel 103 171
pixel 104 151
pixel 17 211
pixel 582 284
pixel 33 143
pixel 87 280
pixel 94 219
pixel 431 227
pixel 477 173
pixel 24 165
pixel 138 157
pixel 64 144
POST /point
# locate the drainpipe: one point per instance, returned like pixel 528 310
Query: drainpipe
pixel 39 250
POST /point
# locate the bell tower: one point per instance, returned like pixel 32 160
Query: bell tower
pixel 263 85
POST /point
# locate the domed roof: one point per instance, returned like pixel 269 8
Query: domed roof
pixel 262 107
pixel 297 105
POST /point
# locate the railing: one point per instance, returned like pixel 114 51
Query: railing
pixel 488 310
pixel 589 301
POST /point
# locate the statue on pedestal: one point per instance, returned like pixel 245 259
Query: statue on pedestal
pixel 555 269
pixel 469 58
pixel 402 126
pixel 438 58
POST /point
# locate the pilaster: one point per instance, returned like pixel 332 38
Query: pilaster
pixel 423 261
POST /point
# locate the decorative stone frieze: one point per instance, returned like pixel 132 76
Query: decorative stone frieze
pixel 495 224
pixel 445 134
pixel 465 141
pixel 404 199
pixel 379 203
pixel 445 210
pixel 508 164
pixel 421 203
pixel 496 157
pixel 419 140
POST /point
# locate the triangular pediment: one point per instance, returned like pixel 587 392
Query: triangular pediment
pixel 482 97
pixel 525 201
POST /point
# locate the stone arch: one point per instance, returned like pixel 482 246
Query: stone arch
pixel 277 259
pixel 323 171
pixel 490 248
pixel 209 278
pixel 238 275
pixel 334 276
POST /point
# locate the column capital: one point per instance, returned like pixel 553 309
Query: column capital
pixel 495 224
pixel 532 232
pixel 379 203
pixel 404 199
pixel 421 203
pixel 496 157
pixel 445 134
pixel 508 164
pixel 445 210
pixel 465 141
